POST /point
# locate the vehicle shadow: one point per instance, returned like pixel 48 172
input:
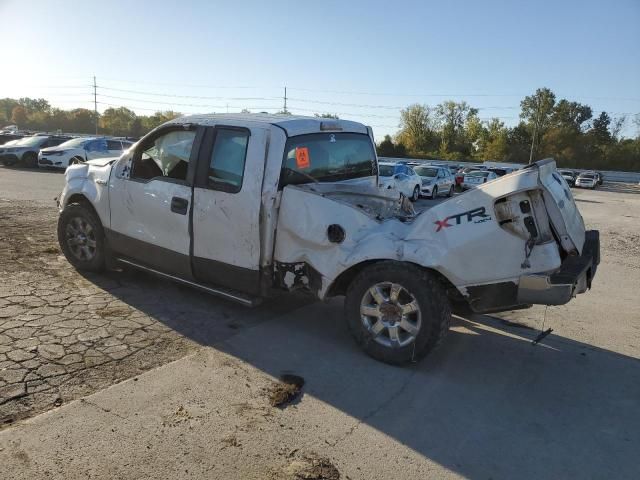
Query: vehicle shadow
pixel 620 187
pixel 486 404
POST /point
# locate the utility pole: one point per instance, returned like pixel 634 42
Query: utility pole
pixel 95 102
pixel 285 100
pixel 535 131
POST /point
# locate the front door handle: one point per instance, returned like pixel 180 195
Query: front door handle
pixel 179 205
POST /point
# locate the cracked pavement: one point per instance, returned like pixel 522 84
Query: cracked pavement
pixel 64 335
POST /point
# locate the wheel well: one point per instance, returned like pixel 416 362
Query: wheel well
pixel 341 283
pixel 82 200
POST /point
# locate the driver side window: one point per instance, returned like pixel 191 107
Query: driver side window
pixel 167 156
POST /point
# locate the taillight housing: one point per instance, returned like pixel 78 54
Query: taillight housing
pixel 524 214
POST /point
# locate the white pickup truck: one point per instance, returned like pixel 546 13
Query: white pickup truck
pixel 248 206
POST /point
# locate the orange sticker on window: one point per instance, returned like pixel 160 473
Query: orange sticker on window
pixel 302 157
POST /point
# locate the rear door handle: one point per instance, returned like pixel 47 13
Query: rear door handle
pixel 179 205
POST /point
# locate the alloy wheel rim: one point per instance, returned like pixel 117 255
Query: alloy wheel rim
pixel 391 314
pixel 81 239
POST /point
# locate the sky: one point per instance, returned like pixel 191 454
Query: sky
pixel 364 60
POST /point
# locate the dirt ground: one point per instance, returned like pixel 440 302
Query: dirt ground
pixel 64 335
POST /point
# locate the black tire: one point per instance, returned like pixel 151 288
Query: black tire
pixel 76 161
pixel 30 160
pixel 69 217
pixel 427 290
pixel 416 194
pixel 450 194
pixel 434 192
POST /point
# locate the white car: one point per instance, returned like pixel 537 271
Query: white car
pixel 401 177
pixel 476 178
pixel 587 180
pixel 79 150
pixel 435 181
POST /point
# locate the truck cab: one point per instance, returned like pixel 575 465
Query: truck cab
pixel 249 206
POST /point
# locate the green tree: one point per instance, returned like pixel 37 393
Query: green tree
pixel 326 115
pixel 158 118
pixel 33 105
pixel 6 108
pixel 117 121
pixel 452 117
pixel 19 116
pixel 386 148
pixel 536 111
pixel 600 129
pixel 82 120
pixel 417 129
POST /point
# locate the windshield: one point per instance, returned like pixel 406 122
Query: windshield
pixel 75 143
pixel 30 141
pixel 386 170
pixel 477 174
pixel 327 157
pixel 588 176
pixel 426 171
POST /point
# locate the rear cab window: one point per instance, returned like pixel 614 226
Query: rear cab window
pixel 327 157
pixel 226 166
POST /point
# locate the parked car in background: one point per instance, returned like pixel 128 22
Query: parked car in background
pixel 79 150
pixel 476 178
pixel 599 178
pixel 402 177
pixel 501 171
pixel 569 176
pixel 435 181
pixel 587 180
pixel 25 150
pixel 459 177
pixel 9 137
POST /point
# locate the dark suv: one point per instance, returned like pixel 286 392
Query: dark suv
pixel 26 149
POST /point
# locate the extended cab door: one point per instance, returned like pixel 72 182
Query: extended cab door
pixel 226 212
pixel 150 198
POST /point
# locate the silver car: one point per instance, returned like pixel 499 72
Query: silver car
pixel 476 178
pixel 435 181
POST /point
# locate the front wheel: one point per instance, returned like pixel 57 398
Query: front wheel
pixel 81 238
pixel 434 192
pixel 397 312
pixel 416 194
pixel 450 194
pixel 30 160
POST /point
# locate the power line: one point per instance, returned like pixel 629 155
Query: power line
pixel 137 100
pixel 156 94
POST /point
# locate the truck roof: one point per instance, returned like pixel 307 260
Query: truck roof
pixel 292 124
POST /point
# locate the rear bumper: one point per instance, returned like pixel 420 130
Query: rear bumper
pixel 572 278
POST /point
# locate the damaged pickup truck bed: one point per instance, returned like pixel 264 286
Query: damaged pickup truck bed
pixel 248 206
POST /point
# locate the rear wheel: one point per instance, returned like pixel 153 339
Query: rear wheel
pixel 450 194
pixel 30 160
pixel 416 194
pixel 397 312
pixel 434 192
pixel 81 237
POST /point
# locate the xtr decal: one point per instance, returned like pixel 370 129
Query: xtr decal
pixel 477 215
